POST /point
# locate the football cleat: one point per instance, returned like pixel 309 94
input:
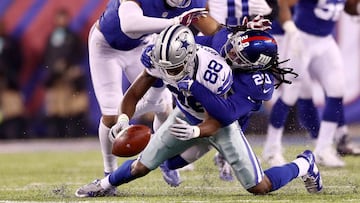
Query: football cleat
pixel 346 147
pixel 224 168
pixel 312 179
pixel 94 189
pixel 171 177
pixel 272 155
pixel 329 158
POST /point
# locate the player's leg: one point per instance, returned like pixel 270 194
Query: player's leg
pixel 231 142
pixel 106 80
pixel 161 147
pixel 289 94
pixel 327 68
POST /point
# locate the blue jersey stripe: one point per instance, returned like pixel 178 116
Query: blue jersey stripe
pixel 84 14
pixel 4 5
pixel 28 18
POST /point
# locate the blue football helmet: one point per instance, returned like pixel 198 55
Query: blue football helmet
pixel 252 50
pixel 178 3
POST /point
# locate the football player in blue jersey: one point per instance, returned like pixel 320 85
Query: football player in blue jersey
pixel 182 65
pixel 311 26
pixel 116 41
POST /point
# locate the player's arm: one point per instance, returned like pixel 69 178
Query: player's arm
pixel 135 24
pixel 235 106
pixel 207 25
pixel 135 92
pixel 352 7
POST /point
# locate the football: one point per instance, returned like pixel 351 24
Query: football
pixel 131 140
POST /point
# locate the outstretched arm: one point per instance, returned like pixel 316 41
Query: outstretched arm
pixel 135 92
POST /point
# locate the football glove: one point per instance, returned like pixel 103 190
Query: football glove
pixel 122 123
pixel 184 131
pixel 190 16
pixel 185 84
pixel 145 57
pixel 258 23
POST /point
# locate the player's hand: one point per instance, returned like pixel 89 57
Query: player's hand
pixel 185 84
pixel 145 56
pixel 190 16
pixel 184 131
pixel 122 123
pixel 258 23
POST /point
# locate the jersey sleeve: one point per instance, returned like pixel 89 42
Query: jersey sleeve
pixel 226 111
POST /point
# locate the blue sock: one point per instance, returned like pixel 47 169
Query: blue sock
pixel 281 175
pixel 333 109
pixel 308 116
pixel 122 174
pixel 175 162
pixel 279 114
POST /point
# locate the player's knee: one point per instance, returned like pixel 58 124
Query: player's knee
pixel 138 169
pixel 262 188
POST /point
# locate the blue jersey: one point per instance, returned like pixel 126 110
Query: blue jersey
pixel 318 17
pixel 248 91
pixel 110 22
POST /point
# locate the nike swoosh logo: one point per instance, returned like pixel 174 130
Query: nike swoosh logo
pixel 266 90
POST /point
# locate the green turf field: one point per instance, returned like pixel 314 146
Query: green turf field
pixel 54 177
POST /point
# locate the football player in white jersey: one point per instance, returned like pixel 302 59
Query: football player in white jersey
pixel 314 54
pixel 174 57
pixel 115 47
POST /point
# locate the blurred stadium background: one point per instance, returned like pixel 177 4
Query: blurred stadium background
pixel 29 21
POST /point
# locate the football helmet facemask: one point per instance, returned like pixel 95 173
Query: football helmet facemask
pixel 252 50
pixel 178 3
pixel 174 52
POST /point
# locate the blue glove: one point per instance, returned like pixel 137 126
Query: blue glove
pixel 145 56
pixel 185 84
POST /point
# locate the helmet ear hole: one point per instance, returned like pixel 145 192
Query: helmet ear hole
pixel 254 49
pixel 174 47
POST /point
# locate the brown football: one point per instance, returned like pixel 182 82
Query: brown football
pixel 131 141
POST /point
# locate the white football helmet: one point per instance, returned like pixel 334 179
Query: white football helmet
pixel 174 52
pixel 178 3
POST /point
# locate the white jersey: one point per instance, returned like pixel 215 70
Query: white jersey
pixel 231 12
pixel 210 70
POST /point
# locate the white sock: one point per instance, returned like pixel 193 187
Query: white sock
pixel 303 166
pixel 273 136
pixel 105 183
pixel 326 135
pixel 110 161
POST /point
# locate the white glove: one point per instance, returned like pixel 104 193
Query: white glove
pixel 258 23
pixel 122 123
pixel 259 7
pixel 292 38
pixel 183 131
pixel 190 16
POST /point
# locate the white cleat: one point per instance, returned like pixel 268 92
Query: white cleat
pixel 329 158
pixel 272 155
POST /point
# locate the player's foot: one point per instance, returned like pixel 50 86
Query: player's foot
pixel 225 171
pixel 94 189
pixel 171 177
pixel 346 147
pixel 312 179
pixel 329 158
pixel 272 155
